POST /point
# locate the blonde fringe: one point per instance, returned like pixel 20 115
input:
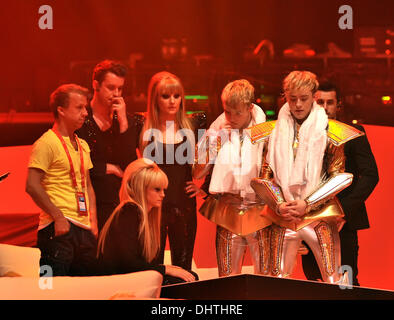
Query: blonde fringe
pixel 149 229
pixel 152 119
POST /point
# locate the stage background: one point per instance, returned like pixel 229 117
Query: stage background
pixel 219 39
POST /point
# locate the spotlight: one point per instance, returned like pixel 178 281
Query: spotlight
pixel 386 100
pixel 270 113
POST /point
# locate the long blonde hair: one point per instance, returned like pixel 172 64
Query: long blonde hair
pixel 163 83
pixel 138 176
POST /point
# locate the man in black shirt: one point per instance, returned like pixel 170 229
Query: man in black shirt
pixel 361 163
pixel 111 136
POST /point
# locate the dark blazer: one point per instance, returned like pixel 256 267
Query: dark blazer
pixel 361 163
pixel 108 146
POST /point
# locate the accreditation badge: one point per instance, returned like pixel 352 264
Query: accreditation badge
pixel 81 204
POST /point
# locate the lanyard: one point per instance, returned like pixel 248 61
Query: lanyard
pixel 72 171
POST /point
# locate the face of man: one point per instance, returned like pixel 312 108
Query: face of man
pixel 75 113
pixel 300 103
pixel 238 117
pixel 109 89
pixel 328 100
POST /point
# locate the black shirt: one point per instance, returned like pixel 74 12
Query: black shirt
pixel 122 247
pixel 108 146
pixel 360 161
pixel 178 173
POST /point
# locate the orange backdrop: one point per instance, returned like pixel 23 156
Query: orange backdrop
pixel 19 215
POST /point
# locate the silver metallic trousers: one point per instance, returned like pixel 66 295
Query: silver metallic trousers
pixel 321 236
pixel 231 249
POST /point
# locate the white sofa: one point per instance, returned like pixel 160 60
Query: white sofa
pixel 19 280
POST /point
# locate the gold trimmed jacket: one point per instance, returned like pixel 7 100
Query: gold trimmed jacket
pixel 322 203
pixel 228 210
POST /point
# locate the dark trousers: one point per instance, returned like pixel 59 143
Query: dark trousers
pixel 71 254
pixel 349 256
pixel 349 250
pixel 181 227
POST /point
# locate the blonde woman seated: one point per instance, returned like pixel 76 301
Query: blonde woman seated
pixel 130 239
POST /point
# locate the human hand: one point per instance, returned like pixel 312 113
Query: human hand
pixel 119 106
pixel 178 272
pixel 227 127
pixel 284 211
pixel 114 169
pixel 299 206
pixel 297 209
pixel 62 226
pixel 193 190
pixel 292 211
pixel 94 228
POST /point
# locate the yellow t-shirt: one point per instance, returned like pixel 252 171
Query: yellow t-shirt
pixel 49 155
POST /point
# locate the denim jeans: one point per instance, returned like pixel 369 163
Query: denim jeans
pixel 71 254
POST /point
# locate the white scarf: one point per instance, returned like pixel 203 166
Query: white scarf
pixel 237 163
pixel 300 176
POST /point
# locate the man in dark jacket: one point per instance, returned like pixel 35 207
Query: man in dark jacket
pixel 361 163
pixel 110 133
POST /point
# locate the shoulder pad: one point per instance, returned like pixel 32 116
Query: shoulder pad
pixel 139 121
pixel 339 132
pixel 261 131
pixel 139 117
pixel 199 119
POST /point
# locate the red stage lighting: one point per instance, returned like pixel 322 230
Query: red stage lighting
pixel 387 100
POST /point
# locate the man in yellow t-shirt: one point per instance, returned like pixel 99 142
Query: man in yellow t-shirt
pixel 59 183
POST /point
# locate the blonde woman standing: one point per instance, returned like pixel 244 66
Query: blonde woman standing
pixel 168 137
